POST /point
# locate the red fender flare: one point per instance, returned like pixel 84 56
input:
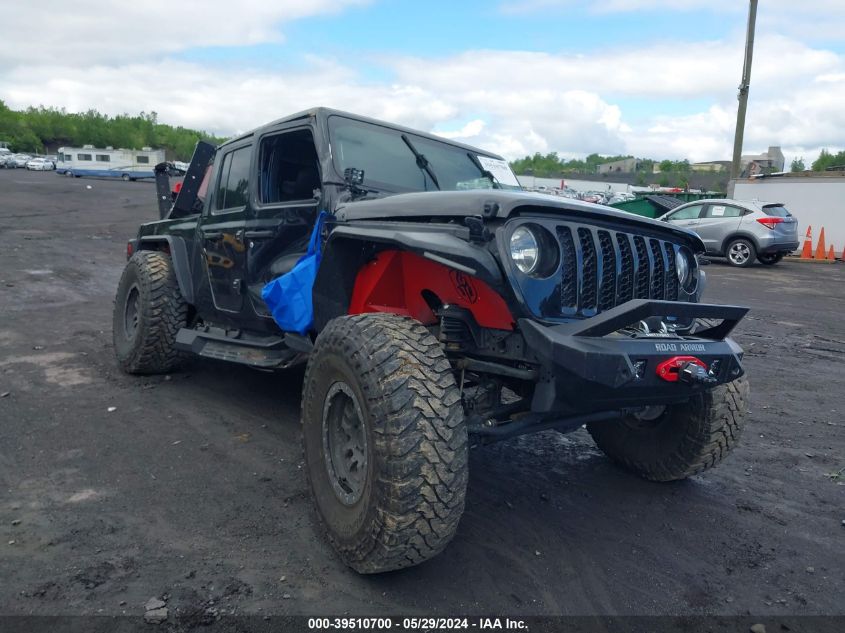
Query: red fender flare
pixel 395 280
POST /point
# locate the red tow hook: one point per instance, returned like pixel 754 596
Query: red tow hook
pixel 671 370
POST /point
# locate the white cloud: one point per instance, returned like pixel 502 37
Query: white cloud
pixel 673 69
pixel 470 130
pixel 616 6
pixel 91 31
pixel 613 100
pixel 220 100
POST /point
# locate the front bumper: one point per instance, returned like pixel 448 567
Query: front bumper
pixel 588 366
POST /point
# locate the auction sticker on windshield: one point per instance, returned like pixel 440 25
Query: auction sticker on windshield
pixel 500 170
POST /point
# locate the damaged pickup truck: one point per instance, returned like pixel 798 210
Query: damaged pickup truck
pixel 448 306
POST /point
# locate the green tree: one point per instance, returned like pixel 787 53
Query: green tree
pixel 826 160
pixel 666 166
pixel 39 129
pixel 797 164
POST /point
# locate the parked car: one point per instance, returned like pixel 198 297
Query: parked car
pixel 621 196
pixel 20 160
pixel 441 287
pixel 740 231
pixel 40 164
pixel 596 197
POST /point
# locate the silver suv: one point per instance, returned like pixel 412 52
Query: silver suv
pixel 740 230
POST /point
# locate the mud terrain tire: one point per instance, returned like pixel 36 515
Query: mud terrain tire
pixel 148 312
pixel 389 479
pixel 685 440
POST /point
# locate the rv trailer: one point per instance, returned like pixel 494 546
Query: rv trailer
pixel 128 164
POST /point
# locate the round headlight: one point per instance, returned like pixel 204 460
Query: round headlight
pixel 682 267
pixel 525 250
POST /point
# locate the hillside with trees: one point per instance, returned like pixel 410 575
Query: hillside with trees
pixel 826 160
pixel 671 173
pixel 552 166
pixel 44 130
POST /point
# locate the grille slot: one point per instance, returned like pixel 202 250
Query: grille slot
pixel 589 272
pixel 601 269
pixel 569 265
pixel 607 287
pixel 625 286
pixel 671 275
pixel 643 269
pixel 658 288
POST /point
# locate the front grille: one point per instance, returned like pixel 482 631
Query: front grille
pixel 601 269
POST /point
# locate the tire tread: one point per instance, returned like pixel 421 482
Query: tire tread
pixel 163 314
pixel 419 431
pixel 712 429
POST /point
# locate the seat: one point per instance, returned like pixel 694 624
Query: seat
pixel 302 186
pixel 282 265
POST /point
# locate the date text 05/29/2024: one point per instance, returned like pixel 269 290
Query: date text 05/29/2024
pixel 412 624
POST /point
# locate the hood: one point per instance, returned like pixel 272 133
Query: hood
pixel 500 204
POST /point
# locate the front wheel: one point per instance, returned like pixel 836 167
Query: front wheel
pixel 677 441
pixel 741 253
pixel 385 441
pixel 148 312
pixel 770 259
pixel 125 177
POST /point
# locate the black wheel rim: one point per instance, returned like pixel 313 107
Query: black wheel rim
pixel 344 443
pixel 131 312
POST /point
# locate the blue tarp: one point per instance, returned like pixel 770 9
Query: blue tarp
pixel 289 296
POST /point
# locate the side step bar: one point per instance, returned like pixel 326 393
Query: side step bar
pixel 269 352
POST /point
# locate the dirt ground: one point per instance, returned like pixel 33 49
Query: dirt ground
pixel 115 489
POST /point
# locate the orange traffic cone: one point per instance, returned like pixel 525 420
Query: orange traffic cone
pixel 821 252
pixel 807 251
pixel 830 254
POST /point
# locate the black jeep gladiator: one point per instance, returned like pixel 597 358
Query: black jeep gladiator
pixel 449 307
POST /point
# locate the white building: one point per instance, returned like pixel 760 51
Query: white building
pixel 769 161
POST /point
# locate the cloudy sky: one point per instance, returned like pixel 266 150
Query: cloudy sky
pixel 653 78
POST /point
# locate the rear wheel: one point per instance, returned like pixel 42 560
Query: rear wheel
pixel 677 441
pixel 741 252
pixel 385 441
pixel 125 177
pixel 148 312
pixel 770 259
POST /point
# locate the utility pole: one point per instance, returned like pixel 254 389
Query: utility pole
pixel 743 90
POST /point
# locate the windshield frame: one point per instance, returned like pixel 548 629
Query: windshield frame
pixel 415 137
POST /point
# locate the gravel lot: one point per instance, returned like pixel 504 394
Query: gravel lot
pixel 115 489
